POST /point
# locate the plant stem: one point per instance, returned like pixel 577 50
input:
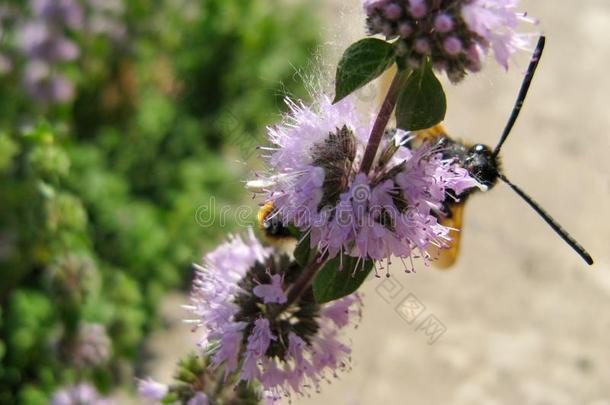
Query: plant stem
pixel 305 279
pixel 385 112
pixel 301 284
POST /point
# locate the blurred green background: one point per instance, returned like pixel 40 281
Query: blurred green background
pixel 118 119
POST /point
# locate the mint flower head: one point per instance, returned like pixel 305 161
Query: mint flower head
pixel 92 346
pixel 315 184
pixel 67 13
pixel 251 331
pixel 43 39
pixel 45 85
pixel 41 42
pixel 455 34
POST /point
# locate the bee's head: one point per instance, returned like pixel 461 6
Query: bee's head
pixel 482 164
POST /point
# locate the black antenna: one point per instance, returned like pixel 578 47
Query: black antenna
pixel 525 85
pixel 549 220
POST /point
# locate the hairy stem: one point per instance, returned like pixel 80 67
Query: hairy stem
pixel 385 112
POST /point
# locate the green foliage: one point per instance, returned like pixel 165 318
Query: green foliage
pixel 340 277
pixel 98 197
pixel 361 63
pixel 303 253
pixel 8 149
pixel 422 102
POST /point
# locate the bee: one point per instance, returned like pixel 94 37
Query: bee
pixel 272 228
pixel 483 163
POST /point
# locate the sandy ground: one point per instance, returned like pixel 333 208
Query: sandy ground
pixel 521 319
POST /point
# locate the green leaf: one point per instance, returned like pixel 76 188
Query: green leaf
pixel 170 398
pixel 422 103
pixel 361 63
pixel 294 231
pixel 302 253
pixel 331 283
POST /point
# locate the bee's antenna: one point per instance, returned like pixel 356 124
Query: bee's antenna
pixel 549 220
pixel 525 85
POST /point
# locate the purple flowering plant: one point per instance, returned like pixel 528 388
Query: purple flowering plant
pixel 42 41
pixel 197 382
pixel 78 394
pixel 356 193
pixel 353 194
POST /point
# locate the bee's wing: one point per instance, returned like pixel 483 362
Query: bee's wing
pixel 447 257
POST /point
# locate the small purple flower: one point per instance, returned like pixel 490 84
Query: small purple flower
pixel 67 13
pixel 496 22
pixel 39 41
pixel 46 86
pixel 258 342
pixel 80 394
pixel 452 46
pixel 422 45
pixel 393 11
pixel 230 345
pixel 92 346
pixel 42 39
pixel 405 30
pixel 254 333
pixel 271 293
pixel 340 312
pixel 370 5
pixel 217 282
pixel 314 185
pixel 152 391
pixel 418 8
pixel 454 34
pixel 443 23
pixel 199 399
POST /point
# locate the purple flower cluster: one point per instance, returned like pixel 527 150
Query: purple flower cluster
pixel 252 331
pixel 151 390
pixel 455 34
pixel 315 185
pixel 92 346
pixel 43 41
pixel 79 394
pixel 44 38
